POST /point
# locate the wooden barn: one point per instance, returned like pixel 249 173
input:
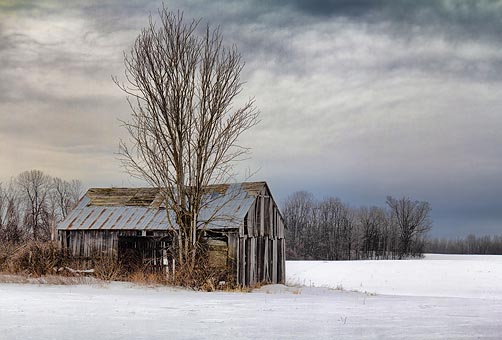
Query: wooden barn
pixel 245 232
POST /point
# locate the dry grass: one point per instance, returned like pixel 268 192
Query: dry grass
pixel 38 263
pixel 47 263
pixel 12 278
pixel 203 277
pixel 107 268
pixel 50 279
pixel 148 279
pixel 7 250
pixel 33 258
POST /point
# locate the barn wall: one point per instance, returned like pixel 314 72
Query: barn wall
pixel 86 243
pixel 259 247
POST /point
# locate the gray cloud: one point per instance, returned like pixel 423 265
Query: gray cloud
pixel 475 19
pixel 359 99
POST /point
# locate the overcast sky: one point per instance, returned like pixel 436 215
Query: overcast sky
pixel 358 99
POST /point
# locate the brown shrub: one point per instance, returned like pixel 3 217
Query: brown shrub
pixel 37 258
pixel 146 278
pixel 107 267
pixel 7 250
pixel 204 276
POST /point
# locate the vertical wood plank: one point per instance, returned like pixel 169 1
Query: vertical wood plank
pixel 262 215
pixel 283 261
pixel 242 251
pixel 266 261
pixel 274 261
pixel 252 261
pixel 233 254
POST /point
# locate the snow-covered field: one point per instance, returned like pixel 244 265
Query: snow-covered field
pixel 440 297
pixel 465 276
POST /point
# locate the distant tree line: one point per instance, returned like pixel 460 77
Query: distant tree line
pixel 482 245
pixel 32 204
pixel 332 230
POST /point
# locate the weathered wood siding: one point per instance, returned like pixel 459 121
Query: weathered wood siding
pixel 259 247
pixel 86 243
pixel 83 243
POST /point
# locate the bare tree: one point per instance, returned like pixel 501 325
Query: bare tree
pixel 471 244
pixel 299 212
pixel 33 203
pixel 10 216
pixel 65 195
pixel 374 232
pixel 2 205
pixel 331 230
pixel 34 187
pixel 3 212
pixel 13 232
pixel 183 132
pixel 412 219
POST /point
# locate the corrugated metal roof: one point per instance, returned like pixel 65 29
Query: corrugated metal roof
pixel 136 208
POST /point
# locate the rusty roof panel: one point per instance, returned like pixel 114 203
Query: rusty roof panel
pixel 136 208
pixel 113 218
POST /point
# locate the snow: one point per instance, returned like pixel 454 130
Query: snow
pixel 474 276
pixel 125 311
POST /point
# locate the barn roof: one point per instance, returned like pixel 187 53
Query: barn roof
pixel 143 208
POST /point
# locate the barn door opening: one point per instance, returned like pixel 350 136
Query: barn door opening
pixel 144 252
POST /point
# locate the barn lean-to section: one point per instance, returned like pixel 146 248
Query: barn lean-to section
pixel 241 222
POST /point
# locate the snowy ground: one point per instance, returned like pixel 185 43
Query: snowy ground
pixel 469 308
pixel 472 276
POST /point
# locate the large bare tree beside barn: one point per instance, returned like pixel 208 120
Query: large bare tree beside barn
pixel 181 83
